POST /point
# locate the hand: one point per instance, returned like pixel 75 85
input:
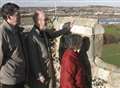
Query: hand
pixel 40 78
pixel 67 26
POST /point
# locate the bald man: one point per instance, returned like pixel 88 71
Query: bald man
pixel 39 51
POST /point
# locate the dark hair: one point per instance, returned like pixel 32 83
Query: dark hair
pixel 9 9
pixel 85 45
pixel 73 41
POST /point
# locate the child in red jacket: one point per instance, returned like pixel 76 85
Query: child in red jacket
pixel 72 70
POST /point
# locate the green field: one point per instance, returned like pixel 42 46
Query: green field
pixel 111 52
pixel 113 29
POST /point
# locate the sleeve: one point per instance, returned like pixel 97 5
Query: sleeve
pixel 54 34
pixel 1 52
pixel 3 47
pixel 68 70
pixel 80 78
pixel 34 61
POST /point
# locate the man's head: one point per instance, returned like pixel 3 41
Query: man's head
pixel 39 19
pixel 10 13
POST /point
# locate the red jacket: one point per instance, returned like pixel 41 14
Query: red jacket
pixel 72 71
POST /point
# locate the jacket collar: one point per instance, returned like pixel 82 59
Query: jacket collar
pixel 71 52
pixel 36 29
pixel 7 26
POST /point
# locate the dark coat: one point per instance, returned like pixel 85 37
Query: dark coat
pixel 38 46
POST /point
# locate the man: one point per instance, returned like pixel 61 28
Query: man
pixel 39 51
pixel 12 59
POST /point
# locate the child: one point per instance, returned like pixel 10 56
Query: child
pixel 72 70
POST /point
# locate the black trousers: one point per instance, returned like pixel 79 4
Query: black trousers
pixel 19 85
pixel 36 84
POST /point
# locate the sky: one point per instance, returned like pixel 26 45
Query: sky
pixel 65 3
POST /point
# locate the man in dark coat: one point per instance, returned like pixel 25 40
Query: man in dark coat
pixel 41 62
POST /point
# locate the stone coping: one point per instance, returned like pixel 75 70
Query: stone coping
pixel 100 63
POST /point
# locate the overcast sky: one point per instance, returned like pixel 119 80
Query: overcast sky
pixel 68 3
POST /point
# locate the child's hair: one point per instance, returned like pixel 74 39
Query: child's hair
pixel 69 41
pixel 73 41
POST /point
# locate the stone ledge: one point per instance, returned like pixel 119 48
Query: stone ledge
pixel 100 63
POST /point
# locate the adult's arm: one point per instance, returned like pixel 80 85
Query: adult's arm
pixel 34 61
pixel 65 29
pixel 3 49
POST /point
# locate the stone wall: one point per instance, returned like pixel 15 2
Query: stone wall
pixel 103 75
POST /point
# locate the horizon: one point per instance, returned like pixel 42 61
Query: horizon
pixel 63 3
